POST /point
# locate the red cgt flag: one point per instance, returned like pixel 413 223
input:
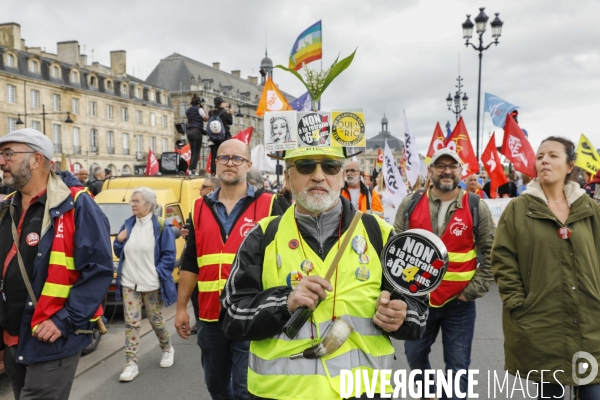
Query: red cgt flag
pixel 460 142
pixel 379 163
pixel 438 141
pixel 244 135
pixel 517 148
pixel 491 162
pixel 151 164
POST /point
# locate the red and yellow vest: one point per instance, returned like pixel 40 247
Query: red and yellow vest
pixel 460 243
pixel 215 257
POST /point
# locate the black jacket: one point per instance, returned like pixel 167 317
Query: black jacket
pixel 194 118
pixel 244 289
pixel 95 185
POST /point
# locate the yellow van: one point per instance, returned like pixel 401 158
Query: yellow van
pixel 175 195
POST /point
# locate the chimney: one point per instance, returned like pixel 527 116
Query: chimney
pixel 217 65
pixel 10 36
pixel 237 73
pixel 68 52
pixel 83 60
pixel 253 80
pixel 118 63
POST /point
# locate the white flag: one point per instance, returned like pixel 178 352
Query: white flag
pixel 393 180
pixel 413 164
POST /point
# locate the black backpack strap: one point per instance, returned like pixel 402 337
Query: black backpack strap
pixel 373 231
pixel 411 206
pixel 474 206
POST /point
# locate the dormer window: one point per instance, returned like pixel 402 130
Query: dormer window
pixel 163 99
pixel 93 81
pixel 124 88
pixel 34 66
pixel 74 77
pixel 109 85
pixel 10 61
pixel 138 92
pixel 55 72
pixel 151 95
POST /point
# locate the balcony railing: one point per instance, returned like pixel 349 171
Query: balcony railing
pixel 57 148
pixel 76 149
pixel 111 150
pixel 126 152
pixel 94 149
pixel 139 156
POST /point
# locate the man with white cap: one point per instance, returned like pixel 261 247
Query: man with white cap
pixel 465 225
pixel 280 267
pixel 56 268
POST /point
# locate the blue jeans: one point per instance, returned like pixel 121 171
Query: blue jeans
pixel 225 363
pixel 457 321
pixel 556 391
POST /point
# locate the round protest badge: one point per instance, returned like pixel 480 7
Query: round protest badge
pixel 359 244
pixel 348 129
pixel 362 273
pixel 564 233
pixel 363 259
pixel 306 266
pixel 414 262
pixel 293 244
pixel 32 239
pixel 293 279
pixel 313 129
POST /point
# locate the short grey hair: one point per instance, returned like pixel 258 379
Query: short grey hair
pixel 148 195
pixel 216 182
pixel 254 177
pixel 96 170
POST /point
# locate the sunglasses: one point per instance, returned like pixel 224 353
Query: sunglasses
pixel 307 167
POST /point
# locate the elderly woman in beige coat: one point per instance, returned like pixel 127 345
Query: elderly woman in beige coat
pixel 545 260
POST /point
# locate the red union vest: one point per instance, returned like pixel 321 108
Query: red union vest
pixel 215 257
pixel 460 242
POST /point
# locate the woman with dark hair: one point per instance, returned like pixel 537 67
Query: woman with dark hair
pixel 546 261
pixel 196 116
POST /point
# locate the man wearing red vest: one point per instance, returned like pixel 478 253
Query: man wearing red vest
pixel 54 275
pixel 445 210
pixel 220 222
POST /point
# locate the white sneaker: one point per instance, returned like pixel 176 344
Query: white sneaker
pixel 167 358
pixel 130 372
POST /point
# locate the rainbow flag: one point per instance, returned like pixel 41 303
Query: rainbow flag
pixel 308 47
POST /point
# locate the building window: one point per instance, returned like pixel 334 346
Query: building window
pixel 110 142
pixel 11 94
pixel 125 114
pixel 138 92
pixel 55 72
pixel 10 60
pixel 151 95
pixel 77 167
pixel 93 81
pixel 152 119
pixel 164 121
pixel 35 98
pixel 57 138
pixel 37 125
pixel 153 144
pixel 163 98
pixel 165 144
pixel 94 140
pixel 109 85
pixel 12 125
pixel 75 106
pixel 109 111
pixel 126 143
pixel 56 102
pixel 93 107
pixel 74 77
pixel 34 66
pixel 76 141
pixel 140 143
pixel 138 117
pixel 124 89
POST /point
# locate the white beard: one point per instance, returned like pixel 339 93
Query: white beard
pixel 316 202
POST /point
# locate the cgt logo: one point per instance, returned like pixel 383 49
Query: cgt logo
pixel 580 367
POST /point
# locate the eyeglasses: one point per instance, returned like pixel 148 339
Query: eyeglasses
pixel 307 167
pixel 236 160
pixel 135 202
pixel 442 167
pixel 207 187
pixel 7 154
pixel 351 170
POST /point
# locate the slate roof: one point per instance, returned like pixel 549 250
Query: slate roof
pixel 378 141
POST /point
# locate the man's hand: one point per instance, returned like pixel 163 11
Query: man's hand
pixel 46 331
pixel 462 297
pixel 122 236
pixel 182 323
pixel 308 292
pixel 185 232
pixel 390 314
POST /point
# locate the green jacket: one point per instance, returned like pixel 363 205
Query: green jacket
pixel 550 287
pixel 481 282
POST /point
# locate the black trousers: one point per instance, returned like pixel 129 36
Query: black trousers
pixel 194 137
pixel 44 380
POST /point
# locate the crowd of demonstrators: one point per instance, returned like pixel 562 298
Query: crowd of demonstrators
pixel 225 113
pixel 97 180
pixel 592 187
pixel 549 284
pixel 196 115
pixel 232 209
pixel 145 246
pixel 357 192
pixel 48 307
pixel 447 211
pixel 265 286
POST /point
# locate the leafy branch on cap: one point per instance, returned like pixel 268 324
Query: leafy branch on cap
pixel 317 81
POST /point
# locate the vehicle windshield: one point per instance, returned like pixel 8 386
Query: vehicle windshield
pixel 116 214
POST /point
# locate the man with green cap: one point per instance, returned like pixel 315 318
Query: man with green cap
pixel 279 268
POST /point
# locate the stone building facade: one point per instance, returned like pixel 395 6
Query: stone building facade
pixel 115 117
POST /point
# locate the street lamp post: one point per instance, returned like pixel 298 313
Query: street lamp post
pixel 480 24
pixel 43 114
pixel 460 103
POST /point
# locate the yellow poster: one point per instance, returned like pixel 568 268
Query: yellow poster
pixel 348 129
pixel 587 156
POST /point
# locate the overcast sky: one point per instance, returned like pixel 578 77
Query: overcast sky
pixel 547 62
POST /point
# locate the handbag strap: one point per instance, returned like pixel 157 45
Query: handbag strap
pixel 20 259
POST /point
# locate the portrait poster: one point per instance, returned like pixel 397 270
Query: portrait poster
pixel 280 131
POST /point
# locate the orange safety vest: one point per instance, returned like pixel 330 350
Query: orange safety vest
pixel 460 243
pixel 62 274
pixel 215 257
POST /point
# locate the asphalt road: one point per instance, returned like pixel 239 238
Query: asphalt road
pixel 185 378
